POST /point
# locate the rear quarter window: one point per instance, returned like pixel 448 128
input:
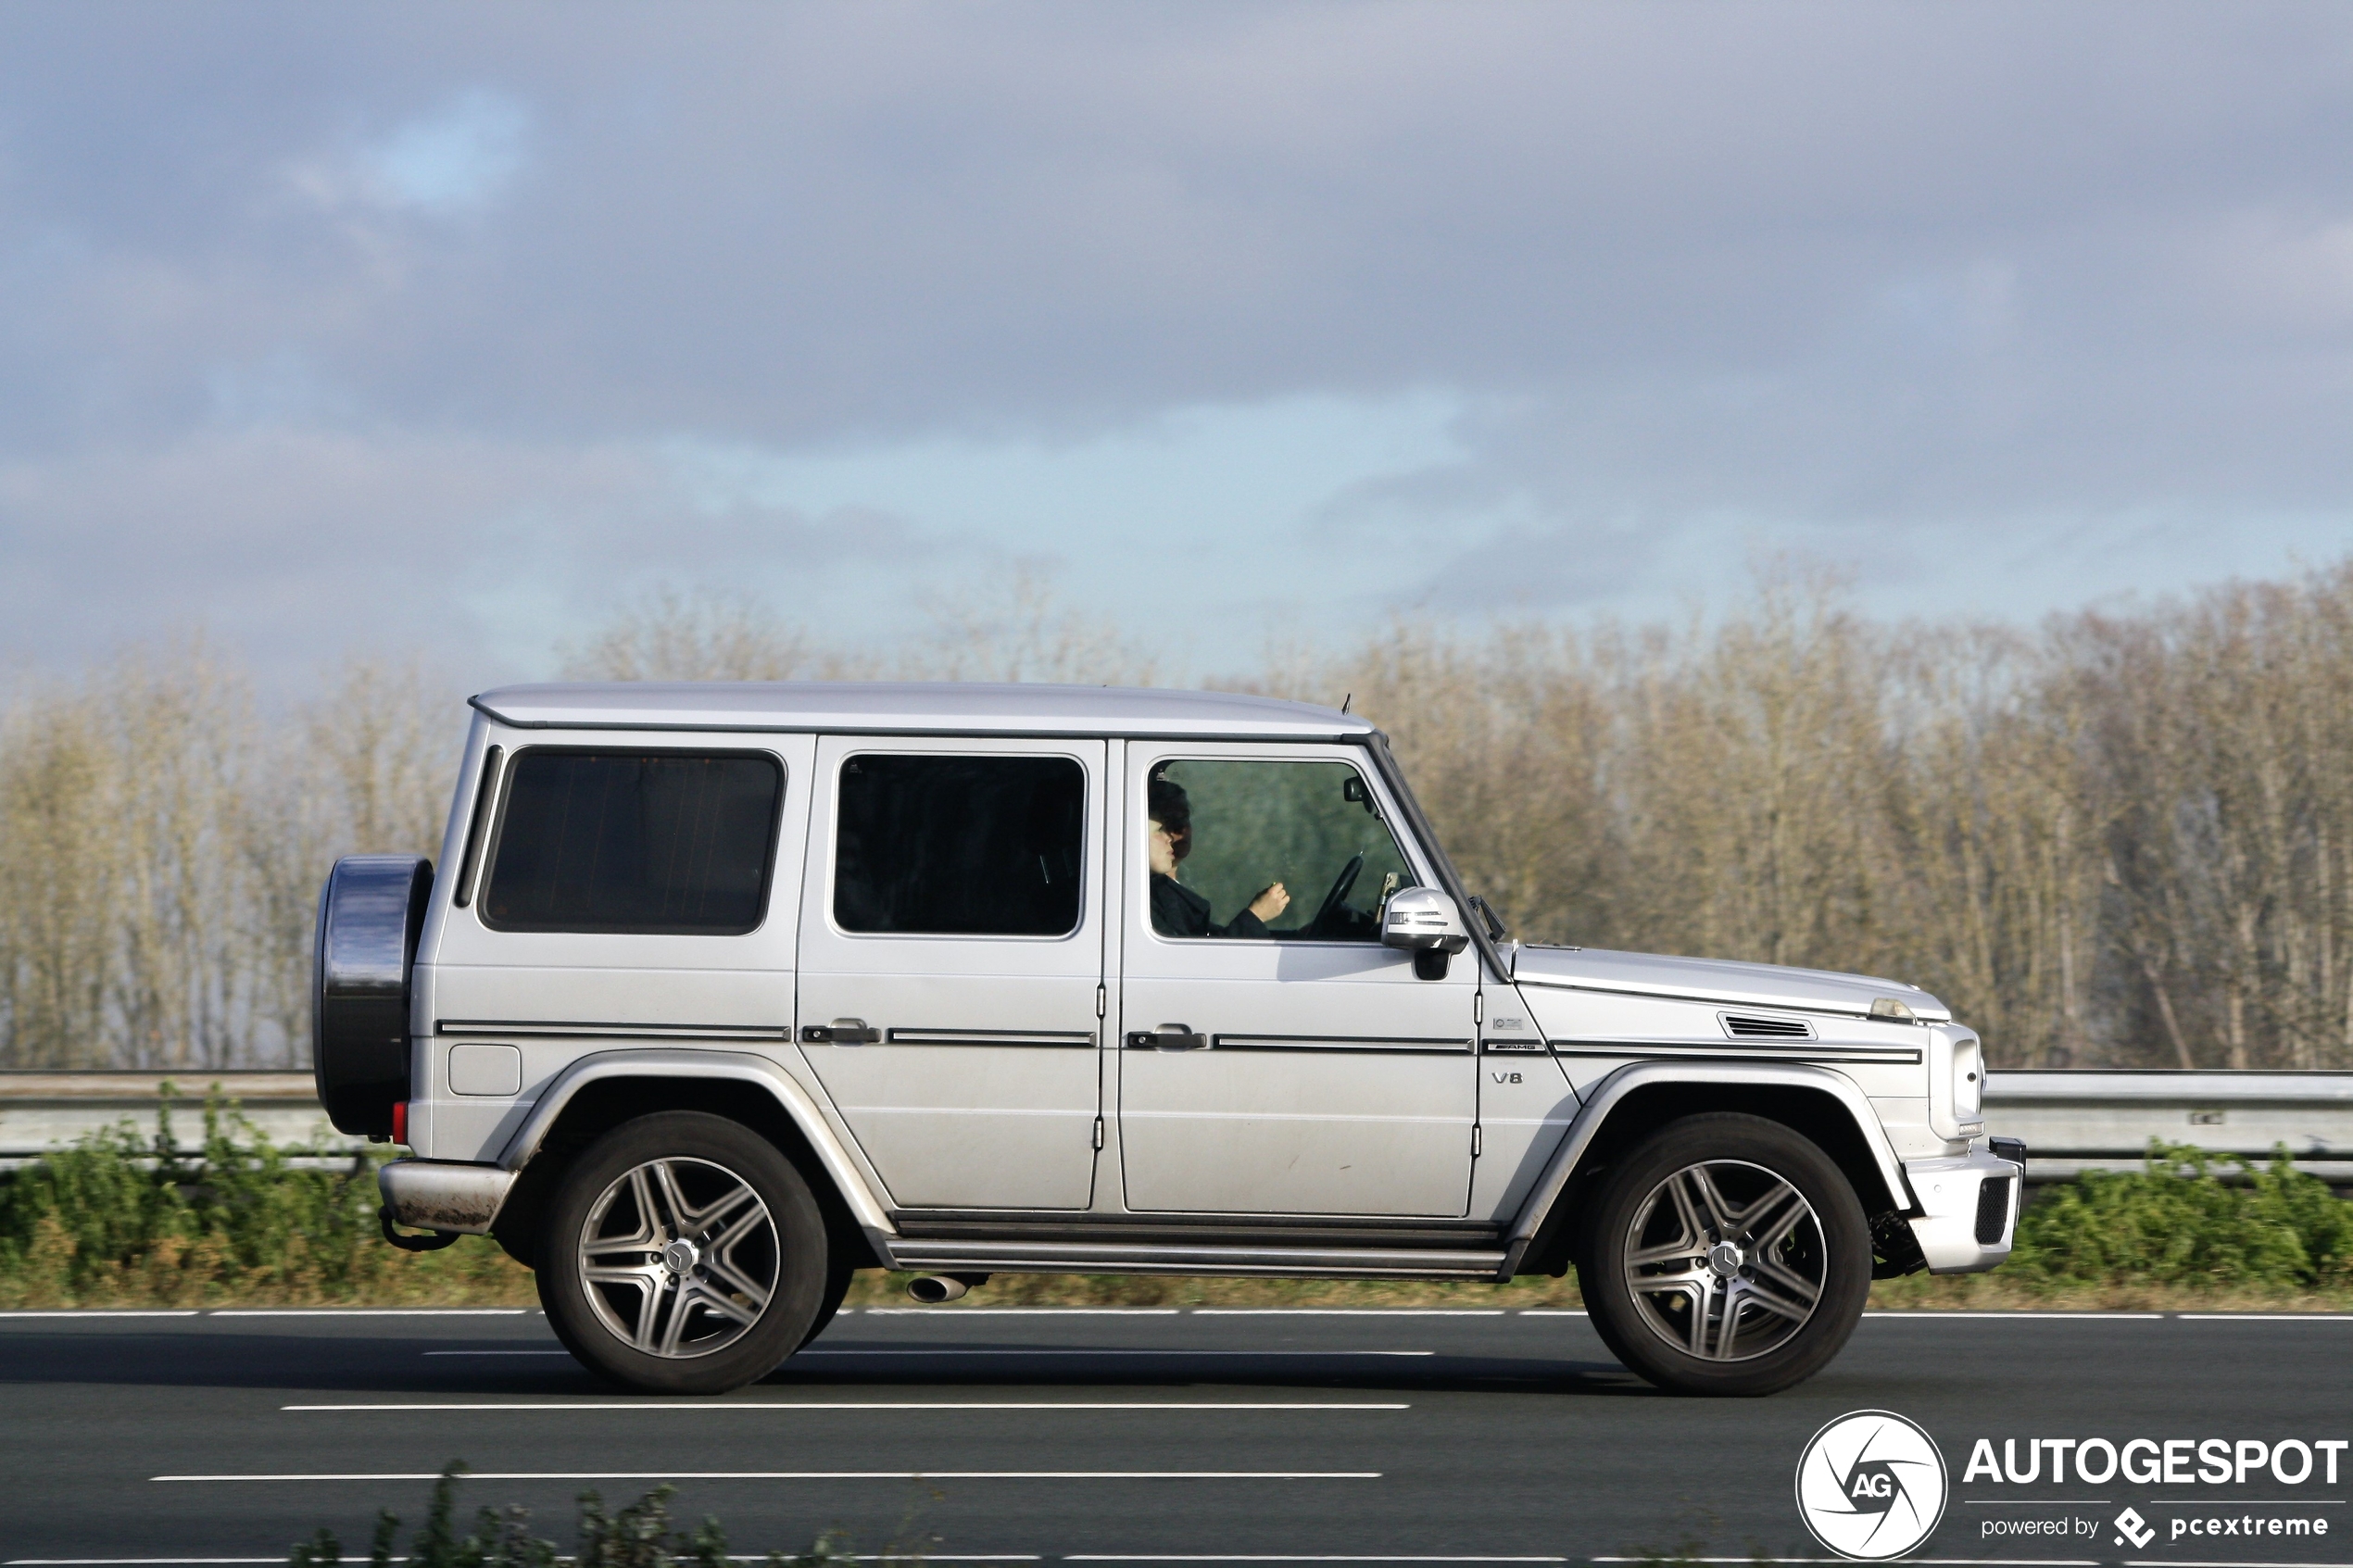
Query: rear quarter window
pixel 661 842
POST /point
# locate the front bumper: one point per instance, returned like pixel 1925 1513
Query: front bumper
pixel 1968 1209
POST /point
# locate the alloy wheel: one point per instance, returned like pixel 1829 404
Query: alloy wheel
pixel 1725 1260
pixel 679 1258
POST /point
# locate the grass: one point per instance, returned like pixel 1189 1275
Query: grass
pixel 130 1217
pixel 640 1536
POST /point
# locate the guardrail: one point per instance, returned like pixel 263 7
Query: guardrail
pixel 2071 1121
pixel 39 1112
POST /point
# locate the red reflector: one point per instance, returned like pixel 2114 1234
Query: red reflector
pixel 400 1121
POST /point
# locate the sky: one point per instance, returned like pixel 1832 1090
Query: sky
pixel 377 327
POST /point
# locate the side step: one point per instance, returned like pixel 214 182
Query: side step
pixel 1124 1258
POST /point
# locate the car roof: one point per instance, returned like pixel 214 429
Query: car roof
pixel 912 708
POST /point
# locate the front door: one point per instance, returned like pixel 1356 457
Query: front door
pixel 951 957
pixel 1276 1057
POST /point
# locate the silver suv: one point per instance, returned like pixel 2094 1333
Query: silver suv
pixel 727 991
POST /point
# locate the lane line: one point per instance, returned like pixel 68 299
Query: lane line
pixel 1975 1561
pixel 1273 1557
pixel 1027 1311
pixel 2064 1317
pixel 1553 1312
pixel 805 1354
pixel 821 1475
pixel 708 1406
pixel 367 1312
pixel 106 1312
pixel 1348 1312
pixel 2267 1317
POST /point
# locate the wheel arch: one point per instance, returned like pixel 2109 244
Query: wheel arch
pixel 1637 1100
pixel 603 1090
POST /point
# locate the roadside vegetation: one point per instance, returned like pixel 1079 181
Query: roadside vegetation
pixel 639 1535
pixel 134 1216
pixel 2124 839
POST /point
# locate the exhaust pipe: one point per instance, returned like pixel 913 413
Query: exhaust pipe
pixel 932 1289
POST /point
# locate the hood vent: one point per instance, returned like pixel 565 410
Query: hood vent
pixel 1765 1026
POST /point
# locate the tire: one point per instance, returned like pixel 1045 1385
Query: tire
pixel 836 1287
pixel 1672 1271
pixel 682 1254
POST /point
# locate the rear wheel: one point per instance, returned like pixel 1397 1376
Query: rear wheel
pixel 682 1254
pixel 1728 1255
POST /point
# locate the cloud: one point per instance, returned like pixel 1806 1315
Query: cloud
pixel 1365 305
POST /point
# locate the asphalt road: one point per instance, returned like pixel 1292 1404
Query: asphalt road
pixel 1142 1436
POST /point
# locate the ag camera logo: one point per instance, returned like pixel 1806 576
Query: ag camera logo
pixel 1871 1485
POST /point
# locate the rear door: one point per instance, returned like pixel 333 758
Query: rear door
pixel 951 961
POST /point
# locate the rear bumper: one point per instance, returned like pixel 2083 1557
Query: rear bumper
pixel 1968 1209
pixel 442 1195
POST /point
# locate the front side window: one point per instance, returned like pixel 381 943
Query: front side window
pixel 654 842
pixel 959 846
pixel 1285 850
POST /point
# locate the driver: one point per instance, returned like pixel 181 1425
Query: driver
pixel 1178 910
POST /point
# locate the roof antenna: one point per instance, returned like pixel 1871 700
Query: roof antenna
pixel 1346 700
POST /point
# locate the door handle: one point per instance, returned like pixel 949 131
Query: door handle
pixel 1167 1038
pixel 841 1032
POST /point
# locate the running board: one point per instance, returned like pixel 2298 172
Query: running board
pixel 1110 1258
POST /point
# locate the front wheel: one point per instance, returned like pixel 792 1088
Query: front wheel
pixel 1728 1255
pixel 682 1254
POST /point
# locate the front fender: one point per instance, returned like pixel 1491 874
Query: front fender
pixel 735 1066
pixel 1613 1090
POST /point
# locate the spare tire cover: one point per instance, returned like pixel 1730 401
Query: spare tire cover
pixel 369 914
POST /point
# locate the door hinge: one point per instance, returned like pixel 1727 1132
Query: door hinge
pixel 1102 1001
pixel 1478 1007
pixel 1475 1140
pixel 1099 1132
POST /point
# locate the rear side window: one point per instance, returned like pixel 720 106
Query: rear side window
pixel 959 846
pixel 655 842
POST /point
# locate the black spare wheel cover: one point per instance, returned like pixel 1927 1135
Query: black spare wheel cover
pixel 370 913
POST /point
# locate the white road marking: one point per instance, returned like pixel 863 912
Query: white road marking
pixel 822 1475
pixel 708 1406
pixel 1269 1557
pixel 1028 1312
pixel 1348 1312
pixel 1553 1312
pixel 2065 1317
pixel 497 1352
pixel 804 1354
pixel 368 1312
pixel 107 1313
pixel 2267 1317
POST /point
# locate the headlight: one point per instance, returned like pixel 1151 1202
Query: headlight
pixel 1968 1081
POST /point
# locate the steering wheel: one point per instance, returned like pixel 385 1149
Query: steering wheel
pixel 1338 894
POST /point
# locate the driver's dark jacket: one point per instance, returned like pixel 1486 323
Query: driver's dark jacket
pixel 1178 910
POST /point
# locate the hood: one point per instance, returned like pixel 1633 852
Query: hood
pixel 1716 980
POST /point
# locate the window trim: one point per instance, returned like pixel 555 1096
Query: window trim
pixel 1407 841
pixel 829 823
pixel 506 809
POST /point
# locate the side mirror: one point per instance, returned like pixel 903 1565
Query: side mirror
pixel 1424 923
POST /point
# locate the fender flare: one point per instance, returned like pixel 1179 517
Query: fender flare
pixel 706 1065
pixel 1607 1094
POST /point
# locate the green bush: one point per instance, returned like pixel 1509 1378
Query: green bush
pixel 638 1537
pixel 2178 1222
pixel 122 1217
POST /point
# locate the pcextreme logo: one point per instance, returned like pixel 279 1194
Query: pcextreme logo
pixel 1871 1485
